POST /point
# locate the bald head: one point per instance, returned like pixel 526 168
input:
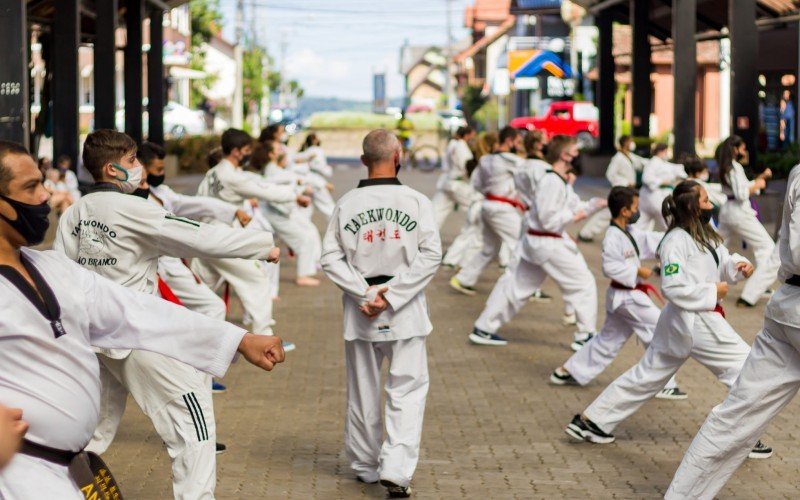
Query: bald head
pixel 380 146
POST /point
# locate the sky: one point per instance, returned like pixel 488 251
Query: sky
pixel 333 47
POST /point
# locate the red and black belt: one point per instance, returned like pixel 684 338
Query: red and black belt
pixel 645 288
pixel 536 232
pixel 510 201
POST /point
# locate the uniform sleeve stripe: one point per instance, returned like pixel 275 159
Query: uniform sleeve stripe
pixel 181 219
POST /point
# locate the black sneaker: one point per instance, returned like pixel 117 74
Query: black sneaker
pixel 221 448
pixel 586 430
pixel 674 394
pixel 540 296
pixel 562 377
pixel 743 303
pixel 395 490
pixel 577 344
pixel 760 450
pixel 485 338
pixel 456 285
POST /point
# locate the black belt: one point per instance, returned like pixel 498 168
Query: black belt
pixel 56 456
pixel 794 280
pixel 378 280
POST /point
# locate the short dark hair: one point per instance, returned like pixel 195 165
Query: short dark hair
pixel 464 131
pixel 508 132
pixel 105 146
pixel 233 138
pixel 8 148
pixel 270 132
pixel 621 197
pixel 659 147
pixel 692 164
pixel 149 152
pixel 624 139
pixel 557 146
pixel 261 153
pixel 63 158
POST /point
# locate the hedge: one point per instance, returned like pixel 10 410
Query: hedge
pixel 192 151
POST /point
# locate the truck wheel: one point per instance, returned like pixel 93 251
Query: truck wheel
pixel 585 141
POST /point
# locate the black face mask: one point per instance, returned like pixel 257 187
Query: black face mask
pixel 397 168
pixel 155 180
pixel 31 222
pixel 513 150
pixel 142 192
pixel 634 217
pixel 705 216
pixel 244 161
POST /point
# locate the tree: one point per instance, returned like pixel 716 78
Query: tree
pixel 254 77
pixel 206 24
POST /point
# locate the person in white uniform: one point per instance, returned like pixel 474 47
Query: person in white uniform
pixel 658 180
pixel 696 270
pixel 121 237
pixel 622 170
pixel 501 209
pixel 769 379
pixel 453 190
pixel 382 248
pixel 547 250
pixel 287 219
pixel 55 312
pixel 229 182
pixel 629 308
pixel 318 172
pixel 738 220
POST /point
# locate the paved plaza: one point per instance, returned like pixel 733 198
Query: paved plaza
pixel 494 427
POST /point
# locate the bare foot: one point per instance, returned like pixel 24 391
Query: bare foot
pixel 307 281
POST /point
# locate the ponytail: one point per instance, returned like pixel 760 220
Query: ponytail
pixel 681 209
pixel 725 156
pixel 668 209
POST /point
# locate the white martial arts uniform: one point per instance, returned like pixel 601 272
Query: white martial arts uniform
pixel 502 220
pixel 628 309
pixel 254 289
pixel 689 326
pixel 291 224
pixel 658 180
pixel 384 233
pixel 453 190
pixel 55 380
pixel 621 171
pixel 469 241
pixel 552 253
pixel 121 238
pixel 317 173
pixel 737 219
pixel 769 379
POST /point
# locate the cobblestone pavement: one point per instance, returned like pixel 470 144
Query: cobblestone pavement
pixel 493 425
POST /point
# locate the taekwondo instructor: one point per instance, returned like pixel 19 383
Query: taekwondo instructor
pixel 54 313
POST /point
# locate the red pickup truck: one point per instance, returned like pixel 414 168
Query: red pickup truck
pixel 577 119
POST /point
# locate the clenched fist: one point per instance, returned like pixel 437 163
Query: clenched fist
pixel 264 351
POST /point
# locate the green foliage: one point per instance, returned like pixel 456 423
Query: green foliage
pixel 359 120
pixel 206 20
pixel 780 162
pixel 620 123
pixel 253 76
pixel 192 151
pixel 471 102
pixel 488 114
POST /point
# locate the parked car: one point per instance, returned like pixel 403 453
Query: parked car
pixel 179 121
pixel 452 119
pixel 576 119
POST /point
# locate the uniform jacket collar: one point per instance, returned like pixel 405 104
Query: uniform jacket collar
pixel 99 187
pixel 383 181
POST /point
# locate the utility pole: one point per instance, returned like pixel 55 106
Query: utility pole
pixel 237 113
pixel 284 45
pixel 451 101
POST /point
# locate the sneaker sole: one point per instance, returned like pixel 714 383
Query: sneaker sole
pixel 557 381
pixel 219 391
pixel 289 348
pixel 461 289
pixel 577 433
pixel 758 456
pixel 569 322
pixel 671 397
pixel 576 347
pixel 476 339
pixel 541 300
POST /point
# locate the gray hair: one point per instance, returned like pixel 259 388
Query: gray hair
pixel 379 145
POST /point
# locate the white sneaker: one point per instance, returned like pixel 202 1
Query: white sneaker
pixel 569 319
pixel 580 340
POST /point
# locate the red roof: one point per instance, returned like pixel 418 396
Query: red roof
pixel 485 12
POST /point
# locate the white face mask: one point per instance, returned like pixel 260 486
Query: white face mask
pixel 131 177
pixel 703 177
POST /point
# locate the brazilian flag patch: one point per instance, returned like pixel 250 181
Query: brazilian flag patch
pixel 671 269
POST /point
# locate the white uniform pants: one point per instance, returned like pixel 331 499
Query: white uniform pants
pixel 371 457
pixel 28 477
pixel 650 210
pixel 469 241
pixel 324 202
pixel 302 237
pixel 769 380
pixel 596 225
pixel 630 317
pixel 177 399
pixel 248 280
pixel 635 387
pixel 736 222
pixel 502 223
pixel 570 272
pixel 443 205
